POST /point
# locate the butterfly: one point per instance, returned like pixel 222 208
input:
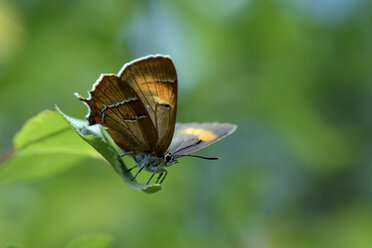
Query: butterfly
pixel 138 107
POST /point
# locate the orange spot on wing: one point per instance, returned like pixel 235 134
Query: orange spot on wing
pixel 202 134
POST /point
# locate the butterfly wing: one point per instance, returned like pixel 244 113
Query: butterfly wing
pixel 114 104
pixel 154 79
pixel 191 137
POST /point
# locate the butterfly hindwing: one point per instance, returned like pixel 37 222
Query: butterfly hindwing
pixel 191 137
pixel 114 104
pixel 154 79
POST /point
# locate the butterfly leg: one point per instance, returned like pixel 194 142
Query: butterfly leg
pixel 157 180
pixel 131 168
pixel 151 176
pixel 141 168
pixel 124 154
pixel 166 172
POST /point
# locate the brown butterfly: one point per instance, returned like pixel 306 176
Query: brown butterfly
pixel 138 106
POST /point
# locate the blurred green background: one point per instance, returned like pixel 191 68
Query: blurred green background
pixel 294 75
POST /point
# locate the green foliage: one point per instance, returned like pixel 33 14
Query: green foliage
pixel 92 241
pixel 11 245
pixel 45 145
pixel 49 143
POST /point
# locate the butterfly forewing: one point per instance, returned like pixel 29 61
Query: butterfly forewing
pixel 191 137
pixel 154 79
pixel 114 104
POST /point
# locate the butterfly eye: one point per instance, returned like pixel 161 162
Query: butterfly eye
pixel 168 157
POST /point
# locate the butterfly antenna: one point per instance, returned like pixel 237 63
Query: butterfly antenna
pixel 197 156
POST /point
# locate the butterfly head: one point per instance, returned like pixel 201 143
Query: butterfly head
pixel 169 159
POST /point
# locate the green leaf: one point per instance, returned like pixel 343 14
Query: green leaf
pixel 98 138
pixel 45 145
pixel 48 143
pixel 92 241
